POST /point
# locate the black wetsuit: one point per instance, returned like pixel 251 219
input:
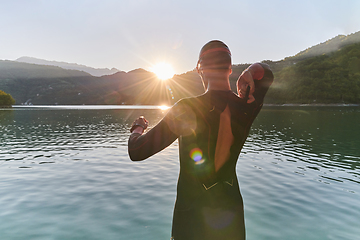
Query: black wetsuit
pixel 211 129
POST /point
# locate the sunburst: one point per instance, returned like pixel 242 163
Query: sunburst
pixel 163 70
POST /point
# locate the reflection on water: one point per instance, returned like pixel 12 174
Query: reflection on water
pixel 300 174
pixel 65 174
pixel 326 138
pixel 26 132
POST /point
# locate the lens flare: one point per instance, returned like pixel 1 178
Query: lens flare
pixel 163 107
pixel 170 91
pixel 196 154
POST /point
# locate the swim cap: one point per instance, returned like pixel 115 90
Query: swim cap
pixel 214 55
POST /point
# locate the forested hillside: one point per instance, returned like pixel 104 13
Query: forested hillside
pixel 98 72
pixel 330 78
pixel 329 46
pixel 326 73
pixel 48 85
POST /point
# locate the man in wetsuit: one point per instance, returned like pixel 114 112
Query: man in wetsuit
pixel 212 129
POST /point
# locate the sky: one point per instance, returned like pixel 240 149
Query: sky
pixel 135 34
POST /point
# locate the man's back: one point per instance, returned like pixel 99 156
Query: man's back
pixel 208 191
pixel 211 129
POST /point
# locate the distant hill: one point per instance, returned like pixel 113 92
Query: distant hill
pixel 327 78
pixel 24 81
pixel 328 46
pixel 142 87
pixel 49 85
pixel 98 72
pixel 326 73
pixel 19 70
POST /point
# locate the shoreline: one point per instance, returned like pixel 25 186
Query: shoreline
pixel 311 105
pixel 166 107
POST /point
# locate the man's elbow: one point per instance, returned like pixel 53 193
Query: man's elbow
pixel 133 152
pixel 135 156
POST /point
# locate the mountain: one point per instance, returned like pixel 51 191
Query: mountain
pixel 72 66
pixel 326 73
pixel 142 87
pixel 49 85
pixel 327 78
pixel 328 46
pixel 19 70
pixel 26 81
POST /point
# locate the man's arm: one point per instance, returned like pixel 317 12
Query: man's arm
pixel 263 77
pixel 180 120
pixel 142 146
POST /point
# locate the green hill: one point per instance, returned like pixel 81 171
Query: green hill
pixel 330 78
pixel 326 73
pixel 19 70
pixel 49 85
pixel 327 47
pixel 72 66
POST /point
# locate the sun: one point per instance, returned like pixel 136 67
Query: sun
pixel 163 70
pixel 163 107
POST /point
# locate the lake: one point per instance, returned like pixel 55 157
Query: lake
pixel 65 174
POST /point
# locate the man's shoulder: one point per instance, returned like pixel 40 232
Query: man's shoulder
pixel 189 101
pixel 181 118
pixel 181 107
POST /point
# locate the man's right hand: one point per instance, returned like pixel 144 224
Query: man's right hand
pixel 246 80
pixel 139 125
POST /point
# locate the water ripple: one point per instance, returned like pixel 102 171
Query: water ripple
pixel 66 174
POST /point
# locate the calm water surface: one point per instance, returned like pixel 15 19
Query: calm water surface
pixel 65 174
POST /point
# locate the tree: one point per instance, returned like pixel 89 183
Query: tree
pixel 6 99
